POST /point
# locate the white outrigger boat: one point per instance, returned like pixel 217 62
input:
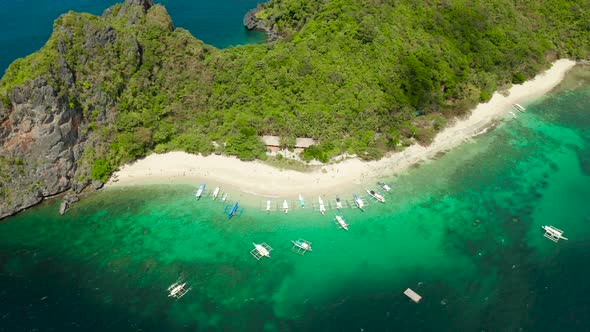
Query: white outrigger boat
pixel 178 289
pixel 260 250
pixel 376 195
pixel 301 246
pixel 384 186
pixel 341 222
pixel 553 234
pixel 519 107
pixel 200 191
pixel 216 192
pixel 224 198
pixel 513 115
pixel 286 206
pixel 338 203
pixel 359 202
pixel 322 207
pixel 301 201
pixel 268 205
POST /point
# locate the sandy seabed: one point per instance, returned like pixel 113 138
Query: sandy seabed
pixel 258 178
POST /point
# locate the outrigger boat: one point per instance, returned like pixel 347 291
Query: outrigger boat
pixel 519 107
pixel 178 289
pixel 514 116
pixel 301 246
pixel 216 192
pixel 553 233
pixel 200 191
pixel 224 198
pixel 376 195
pixel 301 201
pixel 322 207
pixel 260 250
pixel 384 186
pixel 341 222
pixel 338 203
pixel 268 205
pixel 285 206
pixel 232 212
pixel 359 202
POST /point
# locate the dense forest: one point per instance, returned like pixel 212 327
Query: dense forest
pixel 359 76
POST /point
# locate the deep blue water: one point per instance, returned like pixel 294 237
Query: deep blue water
pixel 26 25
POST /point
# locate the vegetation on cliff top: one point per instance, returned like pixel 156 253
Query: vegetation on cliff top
pixel 359 76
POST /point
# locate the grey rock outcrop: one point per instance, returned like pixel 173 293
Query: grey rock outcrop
pixel 39 142
pixel 251 22
pixel 97 184
pixel 145 4
pixel 67 201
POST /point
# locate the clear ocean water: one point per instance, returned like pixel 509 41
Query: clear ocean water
pixel 27 24
pixel 463 231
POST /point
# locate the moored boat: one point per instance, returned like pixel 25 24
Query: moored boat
pixel 216 192
pixel 552 233
pixel 285 206
pixel 200 191
pixel 261 250
pixel 301 201
pixel 224 198
pixel 178 289
pixel 322 207
pixel 341 222
pixel 338 203
pixel 384 186
pixel 519 108
pixel 359 202
pixel 232 212
pixel 301 246
pixel 376 195
pixel 268 205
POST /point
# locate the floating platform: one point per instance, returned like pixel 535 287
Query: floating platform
pixel 412 295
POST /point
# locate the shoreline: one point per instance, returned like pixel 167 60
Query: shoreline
pixel 259 179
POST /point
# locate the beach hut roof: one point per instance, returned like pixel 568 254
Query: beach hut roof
pixel 304 142
pixel 271 140
pixel 301 142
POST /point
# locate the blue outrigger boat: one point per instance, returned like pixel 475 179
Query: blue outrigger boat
pixel 232 212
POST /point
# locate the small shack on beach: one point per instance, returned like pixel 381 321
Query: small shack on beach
pixel 273 143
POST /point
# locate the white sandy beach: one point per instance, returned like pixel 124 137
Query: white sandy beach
pixel 260 179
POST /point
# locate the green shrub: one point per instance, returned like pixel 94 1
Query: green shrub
pixel 100 170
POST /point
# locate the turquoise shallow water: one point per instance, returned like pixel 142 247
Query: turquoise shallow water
pixel 463 231
pixel 26 25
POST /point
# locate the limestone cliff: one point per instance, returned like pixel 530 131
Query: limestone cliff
pixel 54 102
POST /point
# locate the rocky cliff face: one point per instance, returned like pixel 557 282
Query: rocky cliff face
pixel 46 122
pixel 252 22
pixel 40 143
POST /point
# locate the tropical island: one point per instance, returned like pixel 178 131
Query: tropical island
pixel 359 78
